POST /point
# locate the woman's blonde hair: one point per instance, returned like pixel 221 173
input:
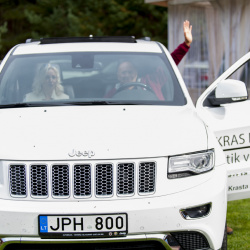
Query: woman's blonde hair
pixel 40 78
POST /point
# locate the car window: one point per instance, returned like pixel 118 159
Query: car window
pixel 146 78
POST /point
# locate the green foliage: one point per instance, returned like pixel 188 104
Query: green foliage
pixel 3 29
pixel 60 18
pixel 238 219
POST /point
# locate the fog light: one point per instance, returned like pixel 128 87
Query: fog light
pixel 196 212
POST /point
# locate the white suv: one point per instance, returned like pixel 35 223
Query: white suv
pixel 86 169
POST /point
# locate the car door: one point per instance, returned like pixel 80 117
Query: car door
pixel 225 108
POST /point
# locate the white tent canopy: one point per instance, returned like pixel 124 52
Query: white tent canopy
pixel 221 31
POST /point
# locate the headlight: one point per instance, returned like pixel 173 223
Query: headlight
pixel 190 164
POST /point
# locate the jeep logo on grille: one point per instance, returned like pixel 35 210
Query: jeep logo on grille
pixel 80 153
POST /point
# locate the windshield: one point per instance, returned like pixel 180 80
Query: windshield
pixel 89 78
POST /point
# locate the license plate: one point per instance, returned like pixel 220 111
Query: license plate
pixel 82 226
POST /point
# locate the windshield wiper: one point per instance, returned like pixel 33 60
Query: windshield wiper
pixel 99 103
pixel 31 104
pixel 16 105
pixel 65 103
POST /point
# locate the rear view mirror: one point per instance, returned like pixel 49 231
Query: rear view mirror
pixel 83 61
pixel 229 91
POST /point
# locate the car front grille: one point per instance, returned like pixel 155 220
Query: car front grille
pixel 104 180
pixel 191 240
pixel 39 178
pixel 146 177
pixel 60 180
pixel 18 180
pixel 125 178
pixel 82 180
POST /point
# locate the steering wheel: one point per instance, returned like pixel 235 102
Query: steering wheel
pixel 134 84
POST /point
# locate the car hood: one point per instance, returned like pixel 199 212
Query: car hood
pixel 99 132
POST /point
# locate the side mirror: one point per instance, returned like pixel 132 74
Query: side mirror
pixel 229 91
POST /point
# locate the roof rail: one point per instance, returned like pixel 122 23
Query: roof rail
pixel 121 39
pixel 146 38
pixel 31 40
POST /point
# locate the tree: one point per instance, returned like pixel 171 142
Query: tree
pixel 22 19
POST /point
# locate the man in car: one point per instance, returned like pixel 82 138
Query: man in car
pixel 127 72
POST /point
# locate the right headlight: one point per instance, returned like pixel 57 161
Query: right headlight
pixel 190 164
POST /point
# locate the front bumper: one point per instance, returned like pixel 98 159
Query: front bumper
pixel 148 218
pixel 34 241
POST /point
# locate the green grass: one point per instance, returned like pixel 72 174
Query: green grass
pixel 238 218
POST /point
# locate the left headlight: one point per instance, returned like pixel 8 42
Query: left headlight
pixel 190 164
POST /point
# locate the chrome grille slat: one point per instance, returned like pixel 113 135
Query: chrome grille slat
pixel 55 180
pixel 17 180
pixel 146 177
pixel 82 181
pixel 39 181
pixel 60 180
pixel 104 180
pixel 125 179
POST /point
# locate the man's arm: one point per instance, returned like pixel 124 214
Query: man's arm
pixel 183 48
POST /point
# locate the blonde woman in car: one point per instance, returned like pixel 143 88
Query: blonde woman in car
pixel 47 85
